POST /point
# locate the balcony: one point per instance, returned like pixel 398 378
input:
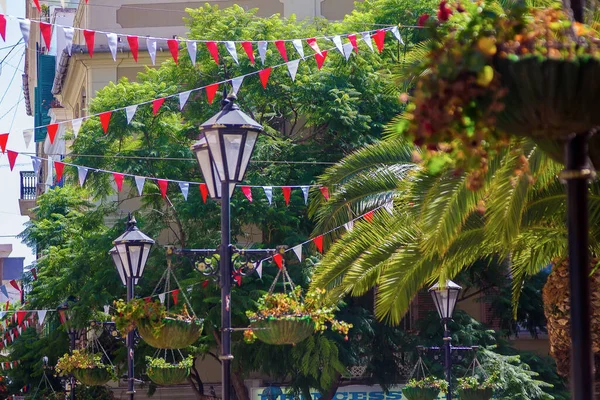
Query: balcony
pixel 28 192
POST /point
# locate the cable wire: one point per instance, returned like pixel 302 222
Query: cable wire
pixel 11 80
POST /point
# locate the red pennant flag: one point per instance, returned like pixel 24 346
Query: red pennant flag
pixel 3 142
pixel 264 76
pixel 238 278
pixel 37 5
pixel 105 119
pixel 175 294
pixel 62 317
pixel 312 42
pixel 318 241
pixel 147 299
pixel 249 51
pixel 21 316
pixel 174 47
pixel 211 90
pixel 12 158
pixel 278 258
pixel 369 216
pixel 204 191
pixel 59 167
pixel 14 284
pixel 287 191
pixel 320 57
pixel 46 31
pixel 34 273
pixel 157 104
pixel 205 284
pixel 280 44
pixel 163 184
pixel 16 332
pixel 134 45
pixel 119 180
pixel 379 38
pixel 325 192
pixel 352 39
pixel 214 51
pixel 90 37
pixel 248 192
pixel 3 27
pixel 52 129
pixel 7 304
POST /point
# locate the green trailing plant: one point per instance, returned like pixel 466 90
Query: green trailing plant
pixel 473 382
pixel 153 314
pixel 429 382
pixel 163 373
pixel 157 362
pixel 82 360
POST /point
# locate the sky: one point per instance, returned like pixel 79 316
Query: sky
pixel 13 120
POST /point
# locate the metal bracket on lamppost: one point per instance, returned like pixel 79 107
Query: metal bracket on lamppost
pixel 436 349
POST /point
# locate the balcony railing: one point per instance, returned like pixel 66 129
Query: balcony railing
pixel 28 185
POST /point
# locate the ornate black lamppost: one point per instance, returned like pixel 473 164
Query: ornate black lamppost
pixel 65 313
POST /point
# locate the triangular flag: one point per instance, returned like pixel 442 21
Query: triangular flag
pixel 174 48
pixel 211 90
pixel 249 51
pixel 230 46
pixel 134 46
pixel 305 192
pixel 352 39
pixel 247 192
pixel 3 6
pixel 278 258
pixel 59 167
pixel 325 192
pixel 3 27
pixel 90 38
pixel 37 5
pixel 320 57
pixel 76 125
pixel 157 104
pixel 264 76
pixel 161 297
pixel 367 39
pixel 183 98
pixel 130 111
pixel 389 207
pixel 46 31
pixel 52 129
pixel 236 83
pixel 151 45
pixel 312 42
pixel 105 120
pixel 106 309
pixel 140 181
pixel 262 50
pixel 205 283
pixel 298 252
pixel 119 180
pixel 280 44
pixel 12 158
pixel 347 50
pixel 14 284
pixel 213 50
pixel 3 141
pixel 349 225
pixel 175 294
pixel 318 241
pixel 299 47
pixel 82 172
pixel 163 184
pixel 185 188
pixel 259 269
pixel 379 38
pixel 369 216
pixel 269 193
pixel 4 292
pixel 68 33
pixel 36 163
pixel 396 33
pixel 34 273
pixel 287 191
pixel 192 48
pixel 237 277
pixel 293 68
pixel 25 26
pixel 112 44
pixel 204 191
pixel 148 299
pixel 27 137
pixel 337 40
pixel 21 316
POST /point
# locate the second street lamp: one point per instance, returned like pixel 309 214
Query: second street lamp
pixel 223 150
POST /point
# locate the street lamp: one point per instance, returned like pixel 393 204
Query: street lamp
pixel 445 298
pixel 130 255
pixel 230 137
pixel 66 316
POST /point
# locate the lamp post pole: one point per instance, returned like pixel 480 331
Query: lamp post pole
pixel 225 261
pixel 448 358
pixel 130 344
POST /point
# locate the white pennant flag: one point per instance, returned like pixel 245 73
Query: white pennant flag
pixel 236 83
pixel 151 44
pixel 348 50
pixel 37 163
pixel 76 125
pixel 262 50
pixel 25 26
pixel 305 192
pixel 82 172
pixel 338 43
pixel 106 309
pixel 259 268
pixel 293 68
pixel 112 44
pixel 299 47
pixel 349 225
pixel 192 51
pixel 161 297
pixel 41 316
pixel 230 46
pixel 269 193
pixel 3 5
pixel 19 329
pixel 62 3
pixel 139 182
pixel 183 98
pixel 367 39
pixel 396 33
pixel 2 314
pixel 185 189
pixel 12 339
pixel 389 206
pixel 68 35
pixel 130 111
pixel 298 251
pixel 27 136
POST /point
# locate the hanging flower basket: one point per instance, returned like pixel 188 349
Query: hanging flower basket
pixel 92 376
pixel 471 388
pixel 475 394
pixel 163 373
pixel 414 393
pixel 87 367
pixel 286 330
pixel 173 334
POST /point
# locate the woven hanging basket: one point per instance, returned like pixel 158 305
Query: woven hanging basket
pixel 475 394
pixel 174 334
pixel 168 376
pixel 413 393
pixel 549 98
pixel 92 376
pixel 290 330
